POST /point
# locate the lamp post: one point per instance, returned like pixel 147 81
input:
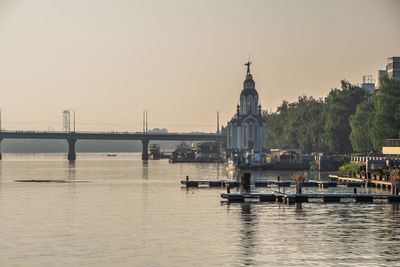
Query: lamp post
pixel 74 120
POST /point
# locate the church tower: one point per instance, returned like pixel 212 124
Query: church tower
pixel 245 131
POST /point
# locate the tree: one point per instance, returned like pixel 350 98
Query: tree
pixel 360 123
pixel 296 125
pixel 386 120
pixel 340 104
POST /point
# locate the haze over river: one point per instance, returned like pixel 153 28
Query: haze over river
pixel 131 213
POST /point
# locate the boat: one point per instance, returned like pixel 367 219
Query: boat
pixel 155 152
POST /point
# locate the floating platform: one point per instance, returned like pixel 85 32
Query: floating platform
pixel 301 198
pixel 249 197
pixel 210 183
pixel 272 183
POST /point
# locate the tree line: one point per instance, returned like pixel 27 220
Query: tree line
pixel 348 120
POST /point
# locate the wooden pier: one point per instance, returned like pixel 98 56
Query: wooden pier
pixel 379 183
pixel 301 198
pixel 210 183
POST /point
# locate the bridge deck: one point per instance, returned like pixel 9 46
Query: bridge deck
pixel 112 136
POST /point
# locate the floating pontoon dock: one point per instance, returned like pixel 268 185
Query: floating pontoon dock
pixel 272 183
pixel 301 198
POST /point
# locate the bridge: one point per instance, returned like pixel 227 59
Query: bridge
pixel 144 137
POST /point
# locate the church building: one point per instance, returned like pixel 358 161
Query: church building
pixel 245 131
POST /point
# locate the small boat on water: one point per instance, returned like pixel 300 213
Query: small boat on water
pixel 111 155
pixel 155 152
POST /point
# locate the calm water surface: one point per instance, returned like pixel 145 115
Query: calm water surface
pixel 135 214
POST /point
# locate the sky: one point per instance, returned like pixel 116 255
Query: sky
pixel 180 60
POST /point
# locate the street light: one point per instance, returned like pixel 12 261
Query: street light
pixel 74 120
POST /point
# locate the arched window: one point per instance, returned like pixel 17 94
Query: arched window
pixel 245 134
pixel 249 104
pixel 251 131
pixel 242 105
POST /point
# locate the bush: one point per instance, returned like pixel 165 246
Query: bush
pixel 349 169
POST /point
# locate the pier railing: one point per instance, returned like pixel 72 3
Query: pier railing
pixel 365 158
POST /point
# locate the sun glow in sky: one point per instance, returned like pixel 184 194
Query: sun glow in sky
pixel 181 60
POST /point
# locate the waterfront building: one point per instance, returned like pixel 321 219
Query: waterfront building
pixel 245 131
pixel 392 70
pixel 207 151
pixel 368 84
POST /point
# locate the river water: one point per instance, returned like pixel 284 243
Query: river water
pixel 129 213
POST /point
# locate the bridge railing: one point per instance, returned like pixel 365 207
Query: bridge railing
pixel 105 132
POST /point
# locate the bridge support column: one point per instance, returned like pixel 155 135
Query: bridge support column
pixel 1 156
pixel 145 150
pixel 71 149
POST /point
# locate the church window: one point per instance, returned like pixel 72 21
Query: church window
pixel 249 105
pixel 251 131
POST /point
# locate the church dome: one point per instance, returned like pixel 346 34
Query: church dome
pixel 249 86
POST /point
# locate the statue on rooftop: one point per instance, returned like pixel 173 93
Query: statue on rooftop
pixel 248 66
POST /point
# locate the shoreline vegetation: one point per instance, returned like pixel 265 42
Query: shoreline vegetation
pixel 348 120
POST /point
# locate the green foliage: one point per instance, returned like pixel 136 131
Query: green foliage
pixel 349 169
pixel 340 104
pixel 361 129
pixel 296 125
pixel 347 120
pixel 386 120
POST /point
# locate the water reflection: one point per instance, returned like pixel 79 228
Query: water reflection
pixel 71 170
pixel 248 233
pixel 299 209
pixel 145 170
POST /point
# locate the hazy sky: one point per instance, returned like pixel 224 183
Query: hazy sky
pixel 180 59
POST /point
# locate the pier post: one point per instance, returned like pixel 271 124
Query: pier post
pixel 245 184
pixel 71 149
pixel 145 150
pixel 1 156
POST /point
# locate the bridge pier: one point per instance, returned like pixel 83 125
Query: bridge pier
pixel 71 149
pixel 1 156
pixel 145 149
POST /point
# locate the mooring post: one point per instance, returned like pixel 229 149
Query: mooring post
pixel 71 149
pixel 245 183
pixel 145 151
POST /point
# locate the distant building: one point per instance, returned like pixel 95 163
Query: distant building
pixel 392 70
pixel 368 84
pixel 290 156
pixel 207 151
pixel 245 131
pixel 391 147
